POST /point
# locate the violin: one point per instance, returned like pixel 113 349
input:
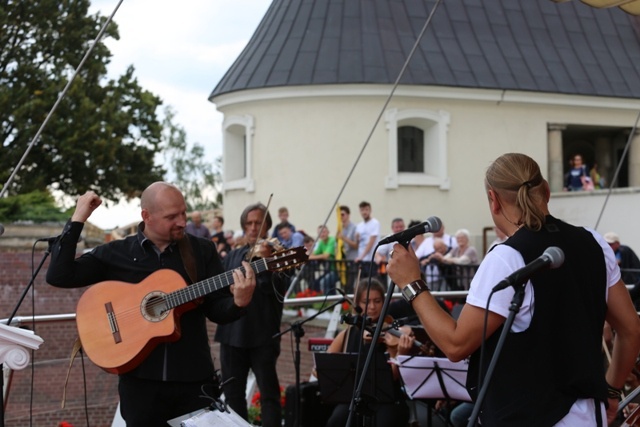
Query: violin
pixel 425 349
pixel 367 335
pixel 392 328
pixel 257 250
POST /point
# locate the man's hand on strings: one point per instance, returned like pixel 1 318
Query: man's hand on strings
pixel 243 285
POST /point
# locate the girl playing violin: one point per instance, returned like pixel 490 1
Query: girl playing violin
pixel 348 341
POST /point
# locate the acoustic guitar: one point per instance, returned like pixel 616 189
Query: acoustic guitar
pixel 120 323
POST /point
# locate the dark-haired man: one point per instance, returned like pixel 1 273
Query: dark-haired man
pixel 247 343
pixel 367 234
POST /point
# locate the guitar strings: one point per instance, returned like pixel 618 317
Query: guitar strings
pixel 164 302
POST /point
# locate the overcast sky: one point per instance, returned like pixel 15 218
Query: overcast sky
pixel 180 51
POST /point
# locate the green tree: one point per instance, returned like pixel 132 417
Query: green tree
pixel 197 178
pixel 104 134
pixel 36 206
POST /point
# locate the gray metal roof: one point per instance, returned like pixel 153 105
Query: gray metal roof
pixel 530 45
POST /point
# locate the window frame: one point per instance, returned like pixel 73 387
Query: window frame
pixel 435 125
pixel 230 133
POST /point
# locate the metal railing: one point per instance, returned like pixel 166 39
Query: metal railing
pixel 453 283
pixel 322 277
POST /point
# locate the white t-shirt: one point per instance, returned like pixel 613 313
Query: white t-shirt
pixel 500 263
pixel 384 250
pixel 365 230
pixel 426 247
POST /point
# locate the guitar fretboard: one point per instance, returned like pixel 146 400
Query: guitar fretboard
pixel 207 286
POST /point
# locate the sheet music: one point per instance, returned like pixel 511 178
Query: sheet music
pixel 207 418
pixel 434 377
pixel 215 418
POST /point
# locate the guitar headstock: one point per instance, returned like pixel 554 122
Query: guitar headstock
pixel 286 259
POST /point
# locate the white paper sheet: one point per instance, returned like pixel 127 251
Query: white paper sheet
pixel 434 377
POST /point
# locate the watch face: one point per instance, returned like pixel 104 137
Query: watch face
pixel 408 293
pixel 413 289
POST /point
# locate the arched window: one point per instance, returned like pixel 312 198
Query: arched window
pixel 417 148
pixel 237 149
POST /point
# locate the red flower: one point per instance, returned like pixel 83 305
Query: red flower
pixel 255 400
pixel 449 304
pixel 307 293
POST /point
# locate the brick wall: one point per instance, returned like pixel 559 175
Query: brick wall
pixel 36 392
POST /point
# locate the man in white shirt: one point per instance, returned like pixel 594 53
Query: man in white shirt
pixel 382 254
pixel 426 247
pixel 367 234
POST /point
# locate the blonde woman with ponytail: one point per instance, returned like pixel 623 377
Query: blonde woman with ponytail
pixel 550 369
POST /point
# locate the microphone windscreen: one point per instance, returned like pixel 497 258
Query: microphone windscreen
pixel 435 224
pixel 556 255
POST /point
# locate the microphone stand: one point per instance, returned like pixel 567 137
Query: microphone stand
pixel 13 314
pixel 360 404
pixel 298 332
pixel 514 308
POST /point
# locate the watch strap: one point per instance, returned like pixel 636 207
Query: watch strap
pixel 414 289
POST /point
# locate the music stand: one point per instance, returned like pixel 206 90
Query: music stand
pixel 434 378
pixel 337 374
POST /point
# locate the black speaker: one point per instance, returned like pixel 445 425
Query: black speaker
pixel 313 413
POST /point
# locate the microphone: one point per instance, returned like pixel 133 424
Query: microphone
pixel 356 307
pixel 432 224
pixel 1 229
pixel 404 320
pixel 354 319
pixel 552 257
pixel 50 240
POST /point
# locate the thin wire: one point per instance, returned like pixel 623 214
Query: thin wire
pixel 384 106
pixel 373 128
pixel 33 142
pixel 617 172
pixel 382 110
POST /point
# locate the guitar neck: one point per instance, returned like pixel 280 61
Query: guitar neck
pixel 207 286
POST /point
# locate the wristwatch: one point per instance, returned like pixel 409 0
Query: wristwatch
pixel 414 289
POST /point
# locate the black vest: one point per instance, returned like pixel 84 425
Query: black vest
pixel 543 370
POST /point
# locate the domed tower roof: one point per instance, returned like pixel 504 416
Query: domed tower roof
pixel 532 45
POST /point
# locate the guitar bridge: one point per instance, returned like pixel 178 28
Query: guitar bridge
pixel 113 323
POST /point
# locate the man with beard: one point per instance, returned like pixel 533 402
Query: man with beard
pixel 168 382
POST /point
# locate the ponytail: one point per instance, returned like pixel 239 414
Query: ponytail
pixel 517 179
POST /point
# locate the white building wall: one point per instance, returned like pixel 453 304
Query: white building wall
pixel 307 139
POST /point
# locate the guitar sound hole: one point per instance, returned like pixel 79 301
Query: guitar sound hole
pixel 154 307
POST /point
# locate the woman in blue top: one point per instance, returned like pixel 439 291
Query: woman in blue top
pixel 577 174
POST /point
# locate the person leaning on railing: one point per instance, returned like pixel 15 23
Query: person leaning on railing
pixel 324 253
